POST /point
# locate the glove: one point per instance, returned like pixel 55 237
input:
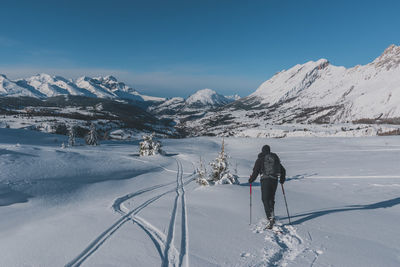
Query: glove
pixel 282 180
pixel 250 180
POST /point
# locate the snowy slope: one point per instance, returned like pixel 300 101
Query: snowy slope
pixel 104 206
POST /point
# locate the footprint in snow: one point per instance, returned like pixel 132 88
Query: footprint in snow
pixel 283 244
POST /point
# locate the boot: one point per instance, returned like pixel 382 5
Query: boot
pixel 271 222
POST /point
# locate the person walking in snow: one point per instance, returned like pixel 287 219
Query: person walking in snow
pixel 269 166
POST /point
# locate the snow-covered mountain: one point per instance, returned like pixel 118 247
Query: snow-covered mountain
pixel 11 88
pixel 110 87
pixel 194 106
pixel 44 85
pixel 50 86
pixel 115 105
pixel 206 98
pixel 370 91
pixel 314 93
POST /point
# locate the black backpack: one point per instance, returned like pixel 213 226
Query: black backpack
pixel 271 166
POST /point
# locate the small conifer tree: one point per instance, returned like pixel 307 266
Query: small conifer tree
pixel 220 164
pixel 71 136
pixel 202 174
pixel 92 138
pixel 220 173
pixel 149 147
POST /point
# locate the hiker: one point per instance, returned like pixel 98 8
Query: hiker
pixel 270 168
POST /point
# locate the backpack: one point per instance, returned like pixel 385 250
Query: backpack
pixel 271 166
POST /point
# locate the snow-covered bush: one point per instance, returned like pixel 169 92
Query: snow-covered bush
pixel 92 138
pixel 149 147
pixel 220 173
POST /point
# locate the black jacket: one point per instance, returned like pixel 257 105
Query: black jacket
pixel 258 169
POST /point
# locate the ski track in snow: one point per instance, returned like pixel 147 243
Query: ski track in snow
pixel 171 259
pixel 184 256
pixel 164 244
pixel 283 244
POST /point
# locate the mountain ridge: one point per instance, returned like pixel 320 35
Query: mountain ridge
pixel 44 85
pixel 315 92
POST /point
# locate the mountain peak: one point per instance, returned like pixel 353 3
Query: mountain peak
pixel 320 64
pixel 110 78
pixel 392 49
pixel 83 78
pixel 41 77
pixel 207 97
pixel 323 63
pixel 390 58
pixel 201 95
pixel 205 91
pixel 289 83
pixel 106 79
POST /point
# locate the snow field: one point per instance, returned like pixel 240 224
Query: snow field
pixel 105 206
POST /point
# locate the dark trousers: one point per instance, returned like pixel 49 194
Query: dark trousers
pixel 268 189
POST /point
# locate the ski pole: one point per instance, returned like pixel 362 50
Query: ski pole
pixel 250 203
pixel 284 196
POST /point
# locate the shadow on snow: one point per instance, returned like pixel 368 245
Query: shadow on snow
pixel 379 205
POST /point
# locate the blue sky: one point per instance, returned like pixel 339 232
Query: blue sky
pixel 173 48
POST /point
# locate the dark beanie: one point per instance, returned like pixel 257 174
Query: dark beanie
pixel 266 149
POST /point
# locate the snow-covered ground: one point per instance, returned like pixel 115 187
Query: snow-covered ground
pixel 105 206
